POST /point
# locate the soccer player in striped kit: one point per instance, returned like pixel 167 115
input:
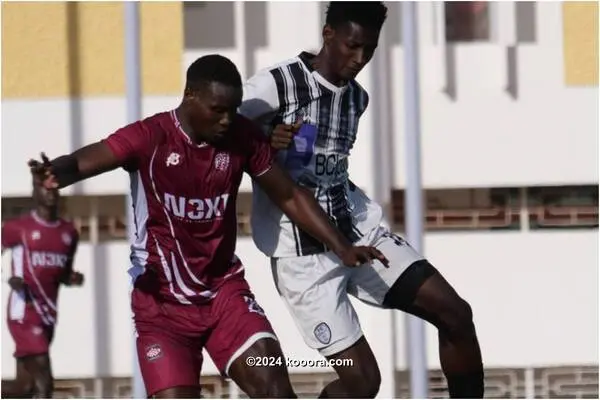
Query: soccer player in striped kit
pixel 311 105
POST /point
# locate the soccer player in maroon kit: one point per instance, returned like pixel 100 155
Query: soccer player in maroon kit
pixel 190 293
pixel 43 246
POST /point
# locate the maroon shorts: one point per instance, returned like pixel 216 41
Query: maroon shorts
pixel 31 336
pixel 170 337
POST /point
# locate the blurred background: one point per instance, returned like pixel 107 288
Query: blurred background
pixel 509 118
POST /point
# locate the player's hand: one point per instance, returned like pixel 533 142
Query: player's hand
pixel 76 279
pixel 16 283
pixel 283 134
pixel 42 172
pixel 359 255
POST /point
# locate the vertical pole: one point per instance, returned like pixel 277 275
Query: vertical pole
pixel 134 113
pixel 383 182
pixel 415 327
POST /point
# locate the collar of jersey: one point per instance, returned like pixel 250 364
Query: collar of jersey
pixel 305 59
pixel 181 132
pixel 43 222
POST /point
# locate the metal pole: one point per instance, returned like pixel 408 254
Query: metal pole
pixel 415 327
pixel 383 180
pixel 134 113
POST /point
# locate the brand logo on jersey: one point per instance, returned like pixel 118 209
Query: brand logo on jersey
pixel 323 333
pixel 196 209
pixel 221 161
pixel 66 238
pixel 173 159
pixel 153 352
pixel 36 235
pixel 331 164
pixel 47 259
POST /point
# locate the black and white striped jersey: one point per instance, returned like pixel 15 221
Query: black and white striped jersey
pixel 293 91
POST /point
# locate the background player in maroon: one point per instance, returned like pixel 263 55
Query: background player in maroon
pixel 43 247
pixel 186 166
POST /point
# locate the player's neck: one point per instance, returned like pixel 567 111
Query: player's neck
pixel 323 67
pixel 186 127
pixel 48 214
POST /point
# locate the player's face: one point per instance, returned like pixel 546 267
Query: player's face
pixel 46 197
pixel 350 47
pixel 213 109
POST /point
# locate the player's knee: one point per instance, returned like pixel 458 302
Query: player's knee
pixel 459 321
pixel 369 387
pixel 281 389
pixel 24 386
pixel 43 385
pixel 270 386
pixel 362 383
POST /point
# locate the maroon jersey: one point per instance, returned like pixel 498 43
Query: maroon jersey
pixel 42 254
pixel 184 200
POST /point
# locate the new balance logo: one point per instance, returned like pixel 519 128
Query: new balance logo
pixel 173 159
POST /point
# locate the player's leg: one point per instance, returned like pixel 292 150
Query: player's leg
pixel 170 361
pixel 40 369
pixel 438 303
pixel 314 289
pixel 264 381
pixel 34 371
pixel 360 378
pixel 413 285
pixel 22 386
pixel 243 331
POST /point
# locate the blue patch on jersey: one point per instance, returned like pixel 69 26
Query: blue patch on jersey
pixel 302 148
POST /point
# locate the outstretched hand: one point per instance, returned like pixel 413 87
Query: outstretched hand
pixel 42 172
pixel 359 255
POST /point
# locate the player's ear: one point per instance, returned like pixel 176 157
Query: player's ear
pixel 328 34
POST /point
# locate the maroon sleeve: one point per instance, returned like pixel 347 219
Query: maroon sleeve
pixel 11 236
pixel 259 150
pixel 130 143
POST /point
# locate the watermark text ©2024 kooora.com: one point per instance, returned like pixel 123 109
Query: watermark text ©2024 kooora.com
pixel 296 362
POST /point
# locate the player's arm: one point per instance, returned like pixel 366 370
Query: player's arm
pixel 120 149
pixel 71 277
pixel 301 207
pixel 296 202
pixel 260 104
pixel 12 238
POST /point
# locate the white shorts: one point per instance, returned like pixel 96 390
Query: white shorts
pixel 315 289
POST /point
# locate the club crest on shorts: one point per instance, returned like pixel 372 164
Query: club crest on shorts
pixel 221 161
pixel 37 331
pixel 323 333
pixel 153 352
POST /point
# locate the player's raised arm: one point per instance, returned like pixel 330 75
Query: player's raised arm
pixel 121 149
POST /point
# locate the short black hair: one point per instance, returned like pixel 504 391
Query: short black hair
pixel 212 68
pixel 368 14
